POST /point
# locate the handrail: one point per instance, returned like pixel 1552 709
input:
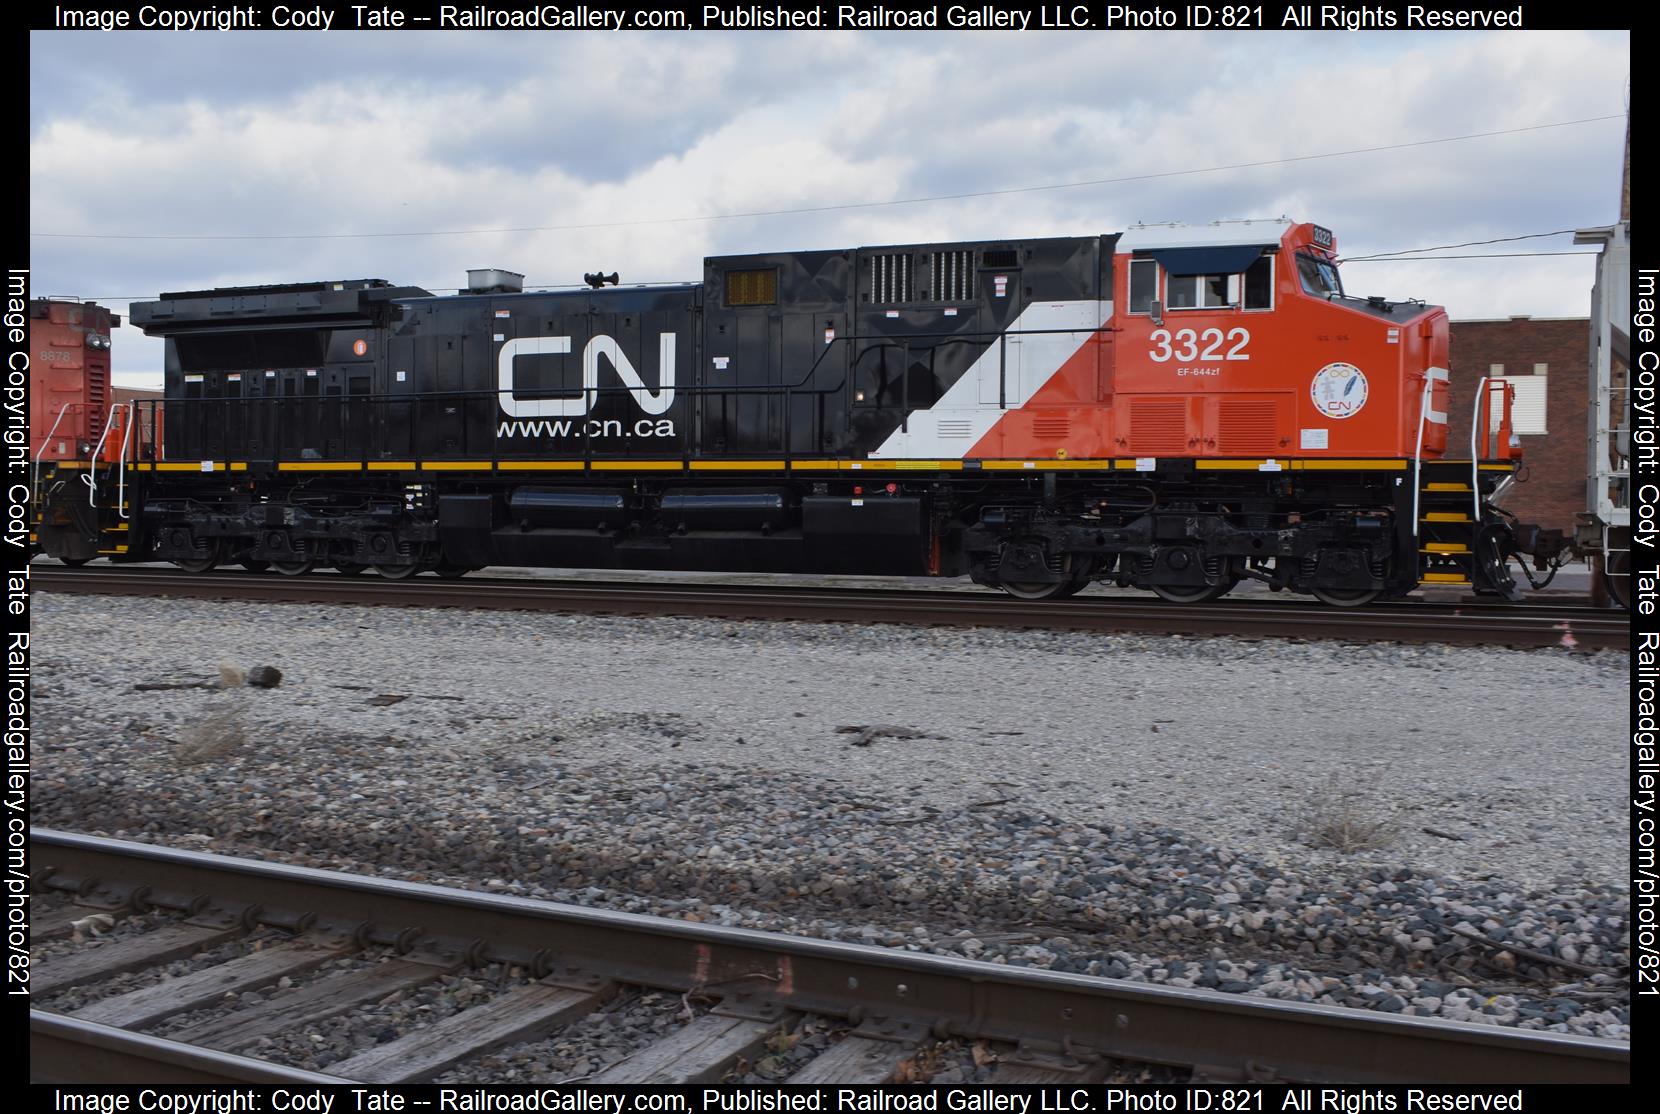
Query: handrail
pixel 1418 455
pixel 121 481
pixel 91 476
pixel 34 474
pixel 1478 424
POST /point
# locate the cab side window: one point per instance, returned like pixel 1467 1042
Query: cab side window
pixel 1259 284
pixel 1144 285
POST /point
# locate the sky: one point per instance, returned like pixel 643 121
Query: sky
pixel 289 148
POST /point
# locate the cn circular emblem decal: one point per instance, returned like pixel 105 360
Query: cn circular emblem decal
pixel 1339 390
pixel 360 347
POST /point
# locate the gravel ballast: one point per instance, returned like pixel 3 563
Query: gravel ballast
pixel 1141 807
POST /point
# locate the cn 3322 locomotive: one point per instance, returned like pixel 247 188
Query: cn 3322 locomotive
pixel 1175 408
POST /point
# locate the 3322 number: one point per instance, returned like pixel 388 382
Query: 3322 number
pixel 1191 344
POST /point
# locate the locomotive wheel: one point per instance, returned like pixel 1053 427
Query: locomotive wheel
pixel 1202 593
pixel 1056 591
pixel 255 566
pixel 397 572
pixel 349 568
pixel 1346 597
pixel 293 568
pixel 199 564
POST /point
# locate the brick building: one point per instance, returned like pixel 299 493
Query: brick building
pixel 1546 357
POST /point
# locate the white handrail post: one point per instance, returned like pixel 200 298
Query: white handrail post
pixel 1475 457
pixel 121 482
pixel 92 464
pixel 1418 456
pixel 34 476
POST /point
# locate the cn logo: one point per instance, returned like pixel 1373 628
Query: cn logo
pixel 651 401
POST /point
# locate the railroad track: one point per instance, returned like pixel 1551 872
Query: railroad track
pixel 1043 1027
pixel 1523 625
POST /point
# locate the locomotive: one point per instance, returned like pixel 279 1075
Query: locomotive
pixel 1174 408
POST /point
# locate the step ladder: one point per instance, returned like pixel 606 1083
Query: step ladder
pixel 1446 525
pixel 113 516
pixel 1449 504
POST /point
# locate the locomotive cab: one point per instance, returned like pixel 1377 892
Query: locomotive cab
pixel 1238 340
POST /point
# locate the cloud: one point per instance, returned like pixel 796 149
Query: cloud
pixel 262 134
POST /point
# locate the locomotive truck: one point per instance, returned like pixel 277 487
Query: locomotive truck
pixel 1174 408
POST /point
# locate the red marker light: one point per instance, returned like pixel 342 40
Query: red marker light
pixel 892 488
pixel 858 490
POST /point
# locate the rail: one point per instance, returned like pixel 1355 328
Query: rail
pixel 762 979
pixel 1548 624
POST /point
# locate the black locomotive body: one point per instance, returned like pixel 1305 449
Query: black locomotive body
pixel 686 426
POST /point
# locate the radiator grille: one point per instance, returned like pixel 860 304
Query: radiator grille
pixel 890 278
pixel 97 395
pixel 1158 426
pixel 1051 429
pixel 954 427
pixel 752 288
pixel 952 276
pixel 1248 426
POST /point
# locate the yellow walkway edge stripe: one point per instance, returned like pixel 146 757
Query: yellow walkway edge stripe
pixel 1328 465
pixel 1285 463
pixel 737 465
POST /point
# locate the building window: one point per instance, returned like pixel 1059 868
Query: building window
pixel 1144 285
pixel 1495 370
pixel 1541 369
pixel 1527 410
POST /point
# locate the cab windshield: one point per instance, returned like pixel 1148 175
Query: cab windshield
pixel 1319 277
